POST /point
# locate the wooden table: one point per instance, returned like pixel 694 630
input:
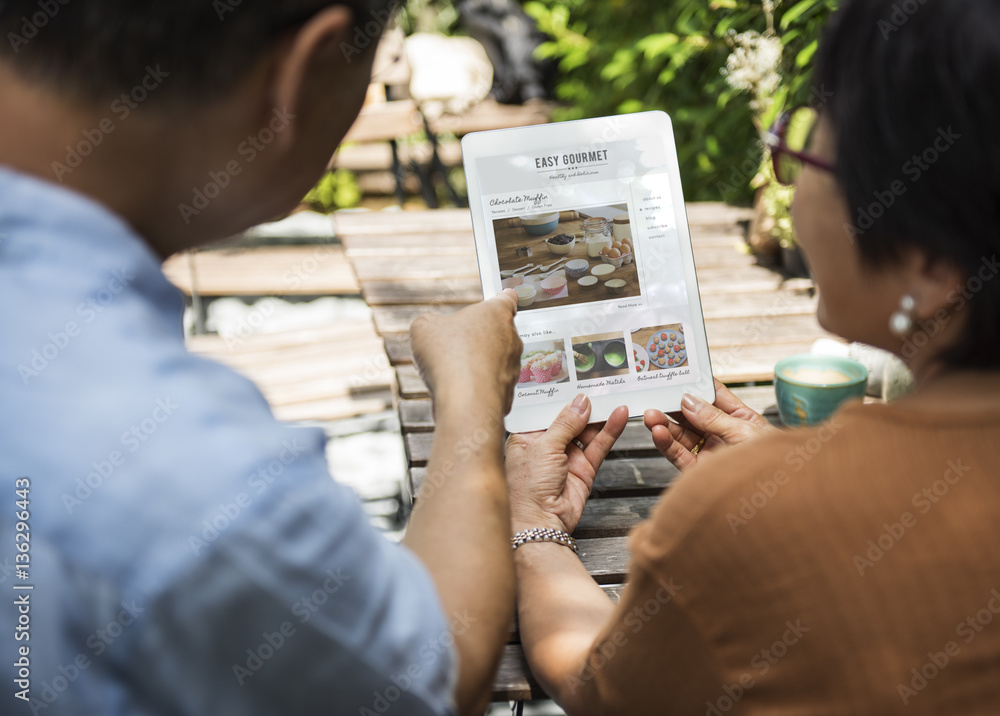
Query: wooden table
pixel 409 263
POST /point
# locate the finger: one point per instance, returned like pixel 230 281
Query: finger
pixel 672 449
pixel 709 420
pixel 570 422
pixel 508 299
pixel 725 398
pixel 421 324
pixel 619 418
pixel 654 417
pixel 599 440
pixel 727 401
pixel 589 433
pixel 685 434
pixel 680 429
pixel 679 419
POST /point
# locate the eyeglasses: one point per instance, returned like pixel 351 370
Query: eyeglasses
pixel 787 140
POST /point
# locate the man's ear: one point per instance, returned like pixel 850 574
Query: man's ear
pixel 315 42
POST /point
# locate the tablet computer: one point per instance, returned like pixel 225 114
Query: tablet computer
pixel 586 221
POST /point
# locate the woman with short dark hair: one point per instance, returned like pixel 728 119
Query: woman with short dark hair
pixel 864 577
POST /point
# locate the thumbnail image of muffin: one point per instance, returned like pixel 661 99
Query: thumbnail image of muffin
pixel 540 366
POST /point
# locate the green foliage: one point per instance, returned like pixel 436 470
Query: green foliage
pixel 428 16
pixel 776 200
pixel 336 190
pixel 623 56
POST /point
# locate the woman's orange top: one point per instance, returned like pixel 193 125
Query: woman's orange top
pixel 852 568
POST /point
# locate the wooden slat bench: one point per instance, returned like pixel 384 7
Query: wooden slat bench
pixel 318 374
pixel 390 115
pixel 321 270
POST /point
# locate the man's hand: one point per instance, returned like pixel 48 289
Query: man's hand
pixel 549 476
pixel 474 353
pixel 713 427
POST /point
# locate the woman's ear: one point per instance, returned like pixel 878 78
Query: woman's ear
pixel 932 282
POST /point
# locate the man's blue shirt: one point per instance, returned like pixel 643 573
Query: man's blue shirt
pixel 188 553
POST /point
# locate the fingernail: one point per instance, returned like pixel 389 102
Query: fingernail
pixel 690 403
pixel 579 404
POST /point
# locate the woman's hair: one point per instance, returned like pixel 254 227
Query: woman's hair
pixel 912 90
pixel 97 49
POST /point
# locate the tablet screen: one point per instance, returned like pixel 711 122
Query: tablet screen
pixel 585 220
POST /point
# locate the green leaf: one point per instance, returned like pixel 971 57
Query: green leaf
pixel 654 45
pixel 777 107
pixel 806 54
pixel 790 37
pixel 630 106
pixel 796 11
pixel 621 64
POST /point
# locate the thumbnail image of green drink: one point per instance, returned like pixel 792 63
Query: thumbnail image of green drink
pixel 564 258
pixel 659 348
pixel 602 355
pixel 543 363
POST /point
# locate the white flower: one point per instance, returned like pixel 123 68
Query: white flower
pixel 754 65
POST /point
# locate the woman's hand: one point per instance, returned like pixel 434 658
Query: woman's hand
pixel 728 422
pixel 485 330
pixel 550 476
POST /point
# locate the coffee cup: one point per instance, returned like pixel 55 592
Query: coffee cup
pixel 810 388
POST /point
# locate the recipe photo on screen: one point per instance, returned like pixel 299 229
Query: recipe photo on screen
pixel 592 236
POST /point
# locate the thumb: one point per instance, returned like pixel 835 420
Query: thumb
pixel 708 419
pixel 569 423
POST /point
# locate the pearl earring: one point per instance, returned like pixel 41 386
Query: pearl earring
pixel 901 322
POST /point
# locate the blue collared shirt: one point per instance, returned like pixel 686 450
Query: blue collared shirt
pixel 188 554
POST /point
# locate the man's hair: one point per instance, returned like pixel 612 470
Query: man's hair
pixel 97 49
pixel 914 101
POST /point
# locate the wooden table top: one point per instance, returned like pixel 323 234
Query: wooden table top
pixel 409 263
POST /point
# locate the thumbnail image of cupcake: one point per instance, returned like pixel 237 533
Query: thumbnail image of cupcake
pixel 543 363
pixel 545 368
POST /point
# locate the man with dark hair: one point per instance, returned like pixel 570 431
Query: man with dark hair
pixel 173 549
